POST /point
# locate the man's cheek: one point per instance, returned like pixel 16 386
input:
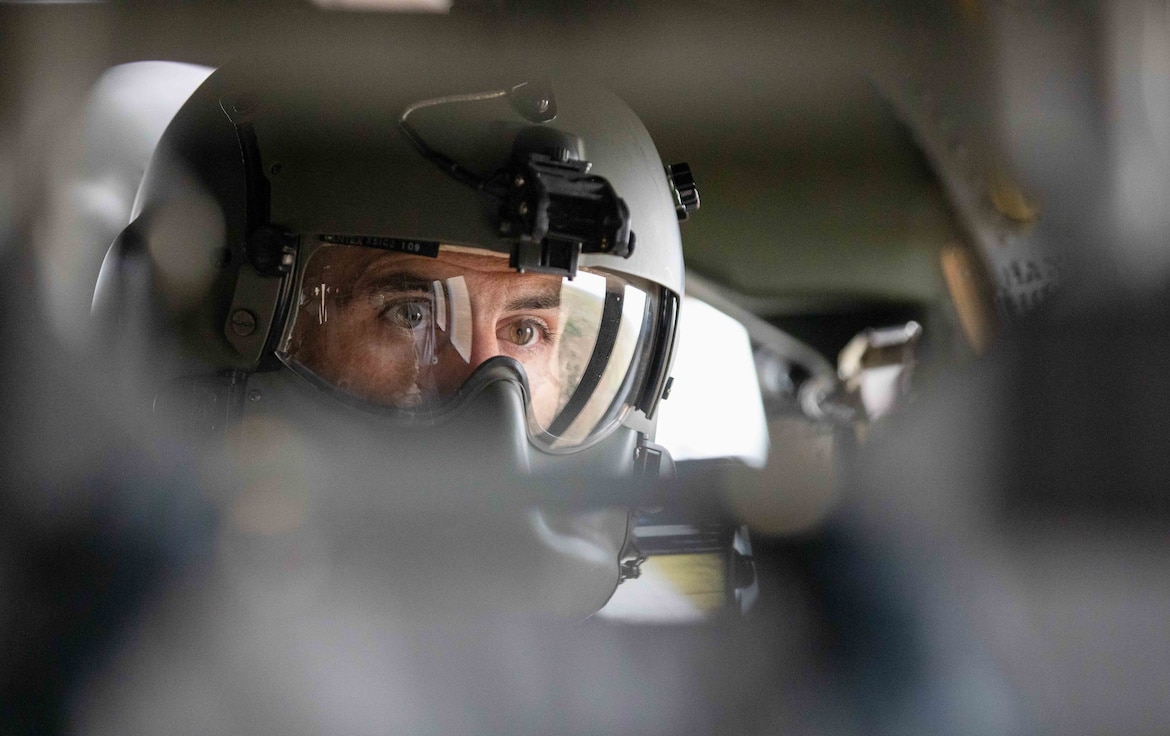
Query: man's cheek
pixel 382 375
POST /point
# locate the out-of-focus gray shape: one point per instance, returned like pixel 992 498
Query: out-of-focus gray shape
pixel 1032 488
pixel 1136 107
pixel 93 523
pixel 97 176
pixel 951 118
pixel 1046 124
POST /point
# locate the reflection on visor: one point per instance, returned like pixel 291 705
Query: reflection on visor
pixel 404 332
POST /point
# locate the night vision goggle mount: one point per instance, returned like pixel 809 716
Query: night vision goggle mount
pixel 554 209
pixel 551 207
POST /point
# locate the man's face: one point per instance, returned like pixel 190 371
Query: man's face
pixel 371 323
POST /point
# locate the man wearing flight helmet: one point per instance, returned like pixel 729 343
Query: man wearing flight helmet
pixel 425 274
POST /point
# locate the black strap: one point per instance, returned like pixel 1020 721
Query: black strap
pixel 611 319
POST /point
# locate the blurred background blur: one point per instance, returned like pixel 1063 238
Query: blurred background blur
pixel 923 491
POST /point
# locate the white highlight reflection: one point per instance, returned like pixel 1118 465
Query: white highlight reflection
pixel 715 409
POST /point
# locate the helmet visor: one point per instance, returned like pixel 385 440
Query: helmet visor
pixel 402 333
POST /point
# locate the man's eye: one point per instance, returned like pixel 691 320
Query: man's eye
pixel 408 315
pixel 525 333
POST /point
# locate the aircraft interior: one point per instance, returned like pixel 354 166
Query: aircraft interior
pixel 915 483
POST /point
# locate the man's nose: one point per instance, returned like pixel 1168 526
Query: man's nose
pixel 484 345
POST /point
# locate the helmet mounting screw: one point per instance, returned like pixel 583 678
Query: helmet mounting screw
pixel 243 322
pixel 535 100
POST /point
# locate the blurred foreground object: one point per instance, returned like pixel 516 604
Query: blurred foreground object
pixel 877 365
pixel 1034 483
pixel 98 170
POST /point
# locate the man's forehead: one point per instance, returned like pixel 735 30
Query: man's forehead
pixel 354 262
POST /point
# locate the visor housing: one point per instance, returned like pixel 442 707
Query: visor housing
pixel 400 333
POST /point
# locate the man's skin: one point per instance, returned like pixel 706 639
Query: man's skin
pixel 374 334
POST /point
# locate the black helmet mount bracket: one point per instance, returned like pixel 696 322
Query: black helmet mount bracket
pixel 555 209
pixel 264 281
pixel 551 207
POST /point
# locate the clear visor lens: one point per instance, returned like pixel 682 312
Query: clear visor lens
pixel 404 332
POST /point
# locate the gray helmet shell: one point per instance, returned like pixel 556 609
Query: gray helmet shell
pixel 333 159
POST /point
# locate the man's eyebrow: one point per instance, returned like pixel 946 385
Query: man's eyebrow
pixel 403 282
pixel 548 299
